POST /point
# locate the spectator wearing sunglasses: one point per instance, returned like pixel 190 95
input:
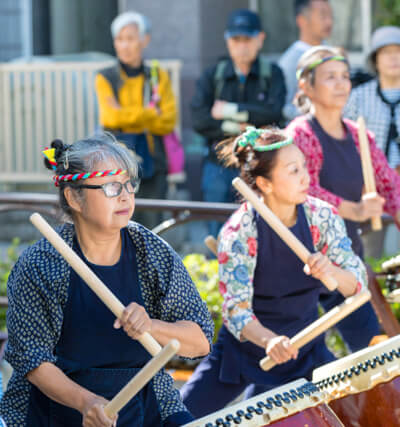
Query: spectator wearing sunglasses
pixel 69 353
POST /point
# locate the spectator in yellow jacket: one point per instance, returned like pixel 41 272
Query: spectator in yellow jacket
pixel 136 103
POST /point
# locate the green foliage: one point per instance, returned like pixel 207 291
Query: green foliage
pixel 204 274
pixel 335 343
pixel 5 268
pixel 388 12
pixel 376 266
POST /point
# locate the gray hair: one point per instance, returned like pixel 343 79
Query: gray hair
pixel 129 18
pixel 84 156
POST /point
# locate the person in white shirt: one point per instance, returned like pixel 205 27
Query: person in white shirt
pixel 314 20
pixel 378 101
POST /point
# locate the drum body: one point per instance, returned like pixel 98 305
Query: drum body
pixel 296 404
pixel 318 416
pixel 364 387
pixel 379 406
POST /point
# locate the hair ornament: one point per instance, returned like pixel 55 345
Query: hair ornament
pixel 50 153
pixel 66 163
pixel 250 136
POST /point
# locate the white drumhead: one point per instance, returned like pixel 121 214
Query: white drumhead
pixel 360 371
pixel 268 407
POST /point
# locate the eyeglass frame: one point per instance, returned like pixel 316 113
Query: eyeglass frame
pixel 135 184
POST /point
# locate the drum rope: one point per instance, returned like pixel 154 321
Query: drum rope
pixel 356 369
pixel 287 397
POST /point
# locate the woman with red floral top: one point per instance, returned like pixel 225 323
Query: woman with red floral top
pixel 331 148
pixel 267 295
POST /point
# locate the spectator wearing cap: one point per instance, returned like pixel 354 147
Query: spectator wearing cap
pixel 314 20
pixel 240 90
pixel 136 109
pixel 378 101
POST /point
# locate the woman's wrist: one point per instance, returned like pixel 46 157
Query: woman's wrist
pixel 347 281
pixel 86 399
pixel 350 210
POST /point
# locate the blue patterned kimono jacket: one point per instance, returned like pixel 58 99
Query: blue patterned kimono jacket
pixel 38 290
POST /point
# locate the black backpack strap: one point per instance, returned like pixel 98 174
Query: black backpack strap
pixel 265 72
pixel 219 78
pixel 113 76
pixel 147 87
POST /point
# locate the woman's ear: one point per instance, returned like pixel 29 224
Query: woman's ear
pixel 264 185
pixel 305 86
pixel 302 84
pixel 71 199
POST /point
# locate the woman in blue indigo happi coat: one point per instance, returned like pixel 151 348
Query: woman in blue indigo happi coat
pixel 69 354
pixel 267 295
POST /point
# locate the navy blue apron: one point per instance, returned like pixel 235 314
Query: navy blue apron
pixel 341 173
pixel 94 354
pixel 285 300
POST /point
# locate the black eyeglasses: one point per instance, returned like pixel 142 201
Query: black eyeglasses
pixel 114 189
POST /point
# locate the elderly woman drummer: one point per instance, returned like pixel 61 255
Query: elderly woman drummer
pixel 68 352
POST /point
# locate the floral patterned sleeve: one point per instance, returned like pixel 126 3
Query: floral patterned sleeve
pixel 387 179
pixel 329 237
pixel 237 257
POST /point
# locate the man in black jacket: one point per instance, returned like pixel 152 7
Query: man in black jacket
pixel 245 89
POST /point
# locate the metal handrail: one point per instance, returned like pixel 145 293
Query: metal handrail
pixel 182 211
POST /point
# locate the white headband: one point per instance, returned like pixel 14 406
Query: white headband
pixel 129 18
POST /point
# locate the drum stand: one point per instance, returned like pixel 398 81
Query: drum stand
pixel 382 309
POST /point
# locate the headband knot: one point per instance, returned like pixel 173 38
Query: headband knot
pixel 250 136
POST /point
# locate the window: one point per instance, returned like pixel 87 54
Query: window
pixel 352 25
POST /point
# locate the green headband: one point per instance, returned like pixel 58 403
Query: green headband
pixel 250 136
pixel 315 64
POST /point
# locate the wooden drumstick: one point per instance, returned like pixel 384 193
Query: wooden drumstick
pixel 368 172
pixel 141 379
pixel 283 232
pixel 95 284
pixel 212 244
pixel 322 324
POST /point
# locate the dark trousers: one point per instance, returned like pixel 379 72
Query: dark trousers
pixel 217 187
pixel 204 393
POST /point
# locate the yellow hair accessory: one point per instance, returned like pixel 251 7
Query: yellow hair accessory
pixel 50 153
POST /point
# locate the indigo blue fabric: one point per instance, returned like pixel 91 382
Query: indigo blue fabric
pixel 341 174
pixel 285 301
pixel 38 294
pixel 94 354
